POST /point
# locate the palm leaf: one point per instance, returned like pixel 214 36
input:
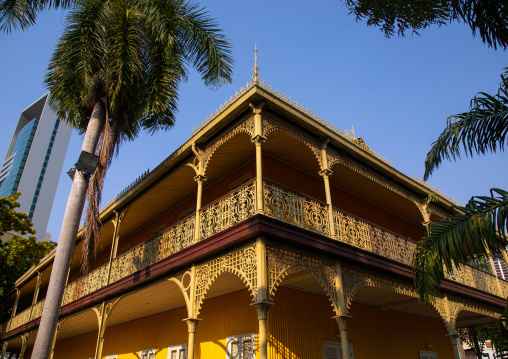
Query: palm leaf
pixel 23 13
pixel 482 129
pixel 476 229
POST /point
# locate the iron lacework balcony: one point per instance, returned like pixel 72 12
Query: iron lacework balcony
pixel 281 203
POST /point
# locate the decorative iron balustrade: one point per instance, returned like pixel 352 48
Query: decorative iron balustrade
pixel 87 284
pixel 281 203
pixel 476 278
pixel 370 237
pixel 37 311
pixel 162 245
pixel 20 318
pixel 292 207
pixel 228 210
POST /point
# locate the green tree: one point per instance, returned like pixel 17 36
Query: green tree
pixel 115 71
pixel 488 18
pixel 10 219
pixel 18 254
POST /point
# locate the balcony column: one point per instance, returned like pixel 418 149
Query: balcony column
pixel 262 303
pixel 4 348
pixel 119 216
pixel 191 328
pixel 24 343
pixel 326 173
pixel 258 139
pixel 262 310
pixel 454 339
pixel 36 293
pixel 102 315
pixel 342 310
pixel 342 322
pixel 58 326
pixel 191 321
pixel 199 179
pixel 14 308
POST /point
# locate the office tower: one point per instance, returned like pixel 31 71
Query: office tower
pixel 34 161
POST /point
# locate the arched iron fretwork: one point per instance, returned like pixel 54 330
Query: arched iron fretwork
pixel 283 261
pixel 241 262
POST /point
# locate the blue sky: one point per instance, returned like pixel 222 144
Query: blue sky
pixel 397 93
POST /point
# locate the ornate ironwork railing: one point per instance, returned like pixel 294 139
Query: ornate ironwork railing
pixel 362 234
pixel 479 279
pixel 37 311
pixel 295 208
pixel 228 210
pixel 87 284
pixel 165 243
pixel 20 318
pixel 281 203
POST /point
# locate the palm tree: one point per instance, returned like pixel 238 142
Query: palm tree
pixel 115 71
pixel 480 227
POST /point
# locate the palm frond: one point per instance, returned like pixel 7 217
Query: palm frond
pixel 23 13
pixel 204 44
pixel 487 18
pixel 75 75
pixel 482 129
pixel 474 230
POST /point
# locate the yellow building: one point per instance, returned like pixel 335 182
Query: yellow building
pixel 269 234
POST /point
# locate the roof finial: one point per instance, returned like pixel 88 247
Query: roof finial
pixel 255 69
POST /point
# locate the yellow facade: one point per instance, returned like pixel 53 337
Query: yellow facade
pixel 298 324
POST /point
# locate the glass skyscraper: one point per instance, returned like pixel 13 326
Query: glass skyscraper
pixel 34 162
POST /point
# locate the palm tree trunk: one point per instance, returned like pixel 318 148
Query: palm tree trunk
pixel 65 248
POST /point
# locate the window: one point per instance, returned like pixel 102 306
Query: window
pixel 147 354
pixel 240 347
pixel 333 350
pixel 177 351
pixel 425 354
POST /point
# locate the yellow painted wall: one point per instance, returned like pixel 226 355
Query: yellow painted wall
pixel 221 317
pixel 158 331
pixel 300 321
pixel 393 334
pixel 298 324
pixel 224 316
pixel 78 347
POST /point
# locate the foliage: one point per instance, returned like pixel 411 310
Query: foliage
pixel 18 254
pixel 481 226
pixel 23 13
pixel 130 56
pixel 500 338
pixel 477 335
pixel 10 219
pixel 488 18
pixel 480 130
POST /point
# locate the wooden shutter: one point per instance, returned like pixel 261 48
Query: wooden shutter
pixel 332 351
